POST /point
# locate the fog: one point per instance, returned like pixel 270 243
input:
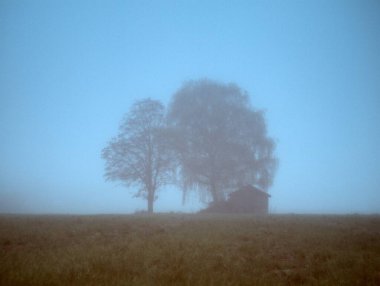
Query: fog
pixel 70 70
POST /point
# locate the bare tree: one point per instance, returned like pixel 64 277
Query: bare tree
pixel 221 141
pixel 139 155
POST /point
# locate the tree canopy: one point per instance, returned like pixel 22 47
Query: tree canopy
pixel 139 155
pixel 220 139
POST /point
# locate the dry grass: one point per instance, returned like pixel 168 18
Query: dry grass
pixel 189 250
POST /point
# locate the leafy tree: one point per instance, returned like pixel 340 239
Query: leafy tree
pixel 220 140
pixel 139 155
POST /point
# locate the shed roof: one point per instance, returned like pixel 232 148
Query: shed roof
pixel 250 188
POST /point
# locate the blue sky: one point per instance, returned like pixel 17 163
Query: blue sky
pixel 70 70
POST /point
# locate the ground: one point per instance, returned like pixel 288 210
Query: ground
pixel 176 249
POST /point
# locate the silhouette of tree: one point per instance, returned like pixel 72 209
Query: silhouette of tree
pixel 220 140
pixel 139 155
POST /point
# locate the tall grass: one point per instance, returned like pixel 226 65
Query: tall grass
pixel 189 250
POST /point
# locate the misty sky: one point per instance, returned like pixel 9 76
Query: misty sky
pixel 69 70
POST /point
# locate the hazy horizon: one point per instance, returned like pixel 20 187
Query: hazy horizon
pixel 70 70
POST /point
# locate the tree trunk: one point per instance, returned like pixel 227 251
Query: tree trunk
pixel 150 199
pixel 214 193
pixel 150 205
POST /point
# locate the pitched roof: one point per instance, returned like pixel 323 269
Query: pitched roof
pixel 250 188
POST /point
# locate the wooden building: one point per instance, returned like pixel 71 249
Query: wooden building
pixel 249 199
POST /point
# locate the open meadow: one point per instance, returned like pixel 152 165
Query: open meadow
pixel 176 249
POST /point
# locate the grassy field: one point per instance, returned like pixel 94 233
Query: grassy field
pixel 189 250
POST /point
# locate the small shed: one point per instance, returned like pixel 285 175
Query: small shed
pixel 248 199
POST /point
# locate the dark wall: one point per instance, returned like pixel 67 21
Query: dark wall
pixel 243 201
pixel 249 202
